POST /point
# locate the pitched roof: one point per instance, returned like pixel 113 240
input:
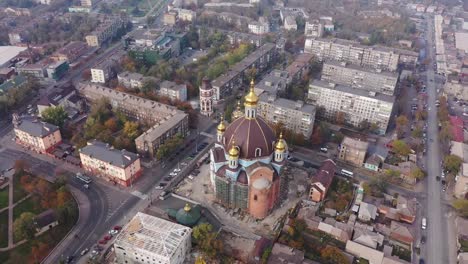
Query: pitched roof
pixel 368 210
pixel 281 254
pixel 325 174
pixel 36 128
pixel 45 218
pixel 103 152
pixel 401 233
pixel 372 255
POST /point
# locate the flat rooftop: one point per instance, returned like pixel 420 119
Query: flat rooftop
pixel 9 52
pixel 359 68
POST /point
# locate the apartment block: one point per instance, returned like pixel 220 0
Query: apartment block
pixel 314 28
pixel 352 52
pixel 236 38
pixel 260 59
pixel 299 67
pixel 359 77
pixel 166 120
pixel 353 151
pixel 118 166
pixel 103 71
pixel 290 23
pixel 354 105
pixel 149 239
pixel 39 136
pixel 259 27
pixel 274 82
pixel 105 31
pixel 295 116
pixel 173 90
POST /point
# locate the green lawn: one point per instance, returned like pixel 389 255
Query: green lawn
pixel 4 197
pixel 18 191
pixel 27 205
pixel 3 229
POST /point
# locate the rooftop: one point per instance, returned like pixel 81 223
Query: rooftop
pixel 153 235
pixel 359 68
pixel 9 52
pixel 172 86
pixel 282 254
pixel 161 127
pixel 286 103
pixel 354 91
pixel 102 151
pixel 36 128
pixel 355 143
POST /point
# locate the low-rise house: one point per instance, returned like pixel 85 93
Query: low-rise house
pixel 70 52
pixel 353 151
pixel 45 221
pixel 376 157
pixel 367 212
pixel 462 258
pixel 405 169
pixel 39 136
pixel 322 180
pixel 338 230
pixel 368 238
pixel 361 251
pixel 400 235
pixel 67 97
pixel 461 185
pixel 405 210
pixel 119 166
pixel 461 225
pixel 282 254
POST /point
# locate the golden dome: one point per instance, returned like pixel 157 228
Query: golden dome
pixel 280 145
pixel 187 207
pixel 222 126
pixel 234 152
pixel 238 112
pixel 251 99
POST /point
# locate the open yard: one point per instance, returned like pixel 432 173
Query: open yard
pixel 4 197
pixel 18 191
pixel 340 195
pixel 28 205
pixel 3 229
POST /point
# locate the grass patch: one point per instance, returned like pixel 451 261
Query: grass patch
pixel 402 253
pixel 3 229
pixel 464 245
pixel 28 205
pixel 4 197
pixel 18 191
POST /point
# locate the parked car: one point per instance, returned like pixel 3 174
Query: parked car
pixel 424 223
pixel 84 251
pixel 324 150
pixel 108 237
pixel 159 187
pixel 113 232
pixel 118 228
pixel 176 170
pixel 102 242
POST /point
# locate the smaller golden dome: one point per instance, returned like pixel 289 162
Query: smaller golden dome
pixel 187 207
pixel 234 152
pixel 251 99
pixel 238 112
pixel 280 144
pixel 222 126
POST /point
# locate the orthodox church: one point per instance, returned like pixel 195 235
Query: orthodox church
pixel 247 161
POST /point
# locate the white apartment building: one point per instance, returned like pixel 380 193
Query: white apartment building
pixel 355 104
pixel 314 29
pixel 359 77
pixel 290 23
pixel 106 30
pixel 352 52
pixel 152 240
pixel 102 72
pixel 259 28
pixel 295 116
pixel 40 136
pixel 87 3
pixel 173 91
pixel 119 166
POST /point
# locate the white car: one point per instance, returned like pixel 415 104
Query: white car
pixel 424 223
pixel 190 177
pixel 177 170
pixel 173 173
pixel 159 187
pixel 84 251
pixel 113 232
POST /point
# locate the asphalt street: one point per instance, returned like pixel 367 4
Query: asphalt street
pixel 437 249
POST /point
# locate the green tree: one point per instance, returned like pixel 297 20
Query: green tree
pixel 55 115
pixel 333 255
pixel 207 241
pixel 452 163
pixel 24 226
pixel 401 124
pixel 417 173
pixel 131 130
pixel 461 205
pixel 401 148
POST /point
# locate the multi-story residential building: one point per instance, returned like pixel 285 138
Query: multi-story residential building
pixel 353 151
pixel 186 14
pixel 359 77
pixel 354 105
pixel 295 116
pixel 260 59
pixel 135 80
pixel 235 37
pixel 260 27
pixel 313 28
pixel 290 23
pixel 274 82
pixel 70 52
pixel 119 166
pixel 173 90
pixel 103 71
pixel 39 136
pixel 299 67
pixel 166 120
pixel 105 31
pixel 88 3
pixel 352 52
pixel 149 239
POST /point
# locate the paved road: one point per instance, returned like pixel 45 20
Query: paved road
pixel 437 247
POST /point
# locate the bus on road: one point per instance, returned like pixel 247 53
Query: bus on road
pixel 347 173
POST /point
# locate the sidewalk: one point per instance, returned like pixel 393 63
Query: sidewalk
pixel 84 214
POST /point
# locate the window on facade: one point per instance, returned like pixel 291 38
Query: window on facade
pixel 255 197
pixel 258 152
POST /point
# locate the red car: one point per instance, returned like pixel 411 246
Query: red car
pixel 117 227
pixel 107 238
pixel 103 242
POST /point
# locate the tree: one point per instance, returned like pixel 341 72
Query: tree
pixel 20 166
pixel 24 226
pixel 401 123
pixel 149 86
pixel 340 117
pixel 55 115
pixel 209 245
pixel 417 173
pixel 461 205
pixel 452 163
pixel 401 148
pixel 333 255
pixel 131 130
pixel 111 124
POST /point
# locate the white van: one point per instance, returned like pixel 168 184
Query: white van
pixel 424 223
